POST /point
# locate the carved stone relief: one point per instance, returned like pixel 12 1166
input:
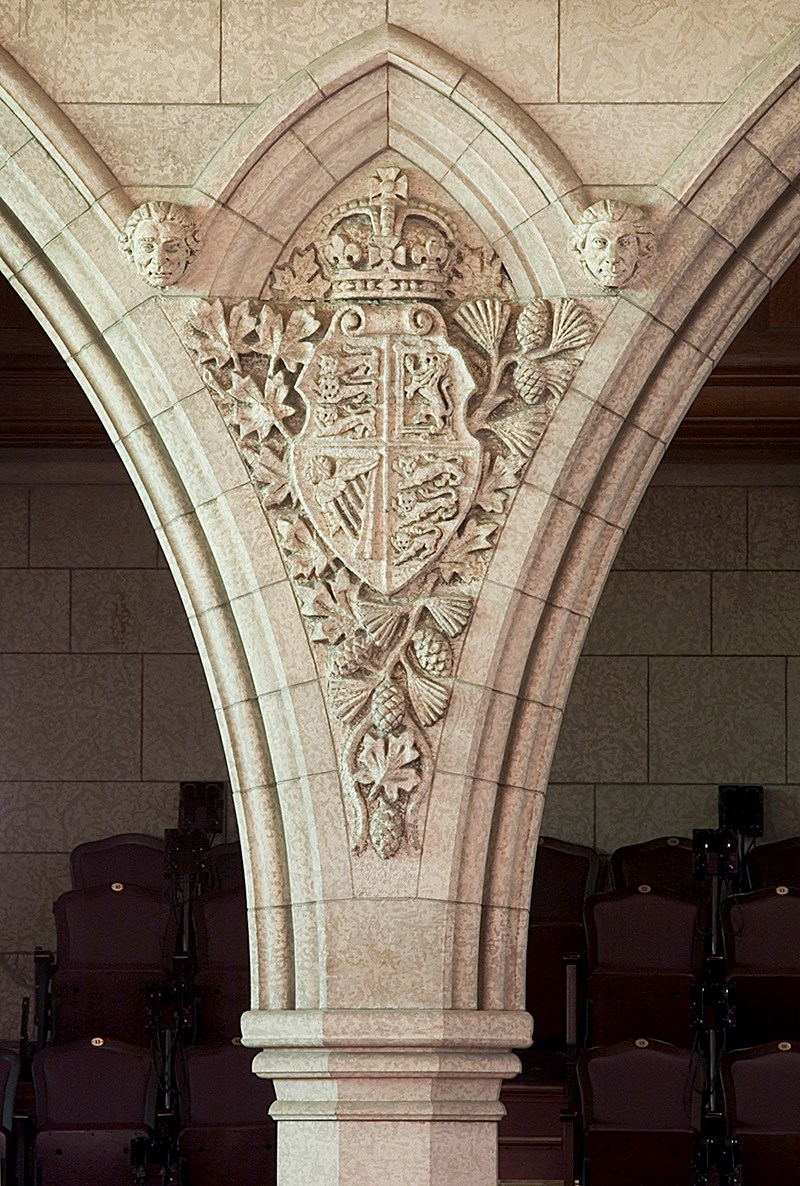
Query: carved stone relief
pixel 161 238
pixel 612 240
pixel 385 435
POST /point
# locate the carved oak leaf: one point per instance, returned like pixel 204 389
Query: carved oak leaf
pixel 458 557
pixel 386 766
pixel 332 606
pixel 306 557
pixel 301 279
pixel 210 330
pixel 500 480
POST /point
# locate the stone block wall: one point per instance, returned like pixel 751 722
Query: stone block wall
pixel 103 702
pixel 690 673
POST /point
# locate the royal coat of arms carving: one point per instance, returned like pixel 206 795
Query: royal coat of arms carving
pixel 385 434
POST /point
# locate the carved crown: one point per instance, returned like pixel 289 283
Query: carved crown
pixel 384 247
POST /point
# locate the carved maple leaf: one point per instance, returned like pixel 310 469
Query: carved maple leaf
pixel 458 558
pixel 305 556
pixel 285 343
pixel 498 483
pixel 272 475
pixel 241 322
pixel 301 279
pixel 332 606
pixel 386 766
pixel 478 273
pixel 211 339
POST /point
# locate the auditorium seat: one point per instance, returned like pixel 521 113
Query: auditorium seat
pixel 227 1134
pixel 774 864
pixel 111 941
pixel 762 945
pixel 641 1106
pixel 222 977
pixel 225 866
pixel 9 1078
pixel 564 876
pixel 93 1097
pixel 644 953
pixel 762 1102
pixel 666 862
pixel 131 858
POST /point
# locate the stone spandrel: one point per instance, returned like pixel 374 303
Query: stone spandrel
pixel 386 402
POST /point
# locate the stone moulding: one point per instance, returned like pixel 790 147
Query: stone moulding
pixel 385 436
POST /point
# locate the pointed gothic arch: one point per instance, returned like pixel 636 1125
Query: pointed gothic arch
pixel 728 231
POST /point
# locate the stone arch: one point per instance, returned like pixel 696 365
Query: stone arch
pixel 730 215
pixel 388 89
pixel 61 207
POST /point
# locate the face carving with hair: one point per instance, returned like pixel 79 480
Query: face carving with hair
pixel 161 239
pixel 611 239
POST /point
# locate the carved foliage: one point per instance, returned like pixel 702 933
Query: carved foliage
pixel 276 374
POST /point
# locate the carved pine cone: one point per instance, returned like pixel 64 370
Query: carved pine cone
pixel 352 655
pixel 529 381
pixel 432 651
pixel 533 325
pixel 388 706
pixel 386 827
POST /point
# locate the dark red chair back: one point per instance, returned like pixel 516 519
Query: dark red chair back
pixel 762 1105
pixel 564 876
pixel 666 862
pixel 222 979
pixel 91 1102
pixel 225 866
pixel 131 857
pixel 227 1132
pixel 775 864
pixel 641 1107
pixel 644 951
pixel 762 944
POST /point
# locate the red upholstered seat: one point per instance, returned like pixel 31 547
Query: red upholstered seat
pixel 222 979
pixel 762 1101
pixel 565 874
pixel 644 953
pixel 762 945
pixel 91 1102
pixel 131 857
pixel 666 862
pixel 641 1107
pixel 110 943
pixel 227 1134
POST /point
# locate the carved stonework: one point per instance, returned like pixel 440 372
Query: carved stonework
pixel 612 240
pixel 161 238
pixel 385 436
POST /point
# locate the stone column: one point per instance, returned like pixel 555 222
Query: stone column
pixel 401 1097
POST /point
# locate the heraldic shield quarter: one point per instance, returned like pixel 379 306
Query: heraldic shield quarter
pixel 385 465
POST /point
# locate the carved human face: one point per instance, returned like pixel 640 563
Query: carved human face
pixel 160 251
pixel 611 252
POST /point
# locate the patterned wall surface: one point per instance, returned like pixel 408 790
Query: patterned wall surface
pixel 690 674
pixel 103 703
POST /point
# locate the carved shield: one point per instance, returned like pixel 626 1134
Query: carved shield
pixel 385 465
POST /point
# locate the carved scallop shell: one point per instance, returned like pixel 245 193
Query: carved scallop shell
pixel 485 321
pixel 429 697
pixel 572 327
pixel 380 621
pixel 450 612
pixel 348 697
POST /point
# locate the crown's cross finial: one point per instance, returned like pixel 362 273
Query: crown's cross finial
pixel 388 189
pixel 381 247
